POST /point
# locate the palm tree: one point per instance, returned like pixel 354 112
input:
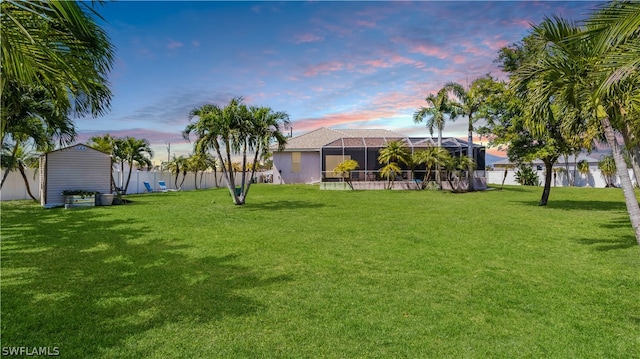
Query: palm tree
pixel 176 166
pixel 430 157
pixel 264 127
pixel 615 30
pixel 607 167
pixel 134 152
pixel 468 103
pixel 20 159
pixel 344 169
pixel 33 119
pixel 200 162
pixel 106 144
pixel 438 109
pixel 59 46
pixel 583 169
pixel 390 171
pixel 577 72
pixel 392 153
pixel 236 129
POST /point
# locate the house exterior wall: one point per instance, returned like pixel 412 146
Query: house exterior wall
pixel 76 167
pixel 309 169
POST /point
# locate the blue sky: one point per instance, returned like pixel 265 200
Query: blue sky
pixel 332 64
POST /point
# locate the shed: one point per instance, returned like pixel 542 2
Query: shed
pixel 78 167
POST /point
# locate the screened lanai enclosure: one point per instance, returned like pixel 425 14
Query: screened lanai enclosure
pixel 312 156
pixel 366 151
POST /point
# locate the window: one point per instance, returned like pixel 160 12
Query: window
pixel 296 161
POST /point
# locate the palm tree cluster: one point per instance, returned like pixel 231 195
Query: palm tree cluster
pixel 450 102
pixel 237 129
pixel 127 150
pixel 197 163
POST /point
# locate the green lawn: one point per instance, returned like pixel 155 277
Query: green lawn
pixel 299 272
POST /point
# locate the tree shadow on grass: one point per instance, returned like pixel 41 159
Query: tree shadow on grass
pixel 607 244
pixel 581 205
pixel 86 283
pixel 284 205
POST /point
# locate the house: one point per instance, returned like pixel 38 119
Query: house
pixel 78 167
pixel 311 157
pixel 565 170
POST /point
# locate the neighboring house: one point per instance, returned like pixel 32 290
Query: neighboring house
pixel 78 167
pixel 311 157
pixel 564 170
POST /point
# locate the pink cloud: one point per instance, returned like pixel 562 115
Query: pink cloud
pixel 172 45
pixel 324 67
pixel 459 59
pixel 306 38
pixel 195 43
pixel 431 51
pixel 364 23
pixel 496 43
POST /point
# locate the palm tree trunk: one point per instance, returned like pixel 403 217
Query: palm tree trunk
pixel 26 181
pixel 184 176
pixel 126 186
pixel 634 154
pixel 470 155
pixel 13 160
pixel 625 180
pixel 438 178
pixel 548 169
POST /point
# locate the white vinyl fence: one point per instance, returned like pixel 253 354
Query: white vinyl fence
pixel 593 179
pixel 15 189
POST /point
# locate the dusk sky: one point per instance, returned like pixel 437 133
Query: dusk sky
pixel 327 64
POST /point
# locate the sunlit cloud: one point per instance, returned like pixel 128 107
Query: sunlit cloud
pixel 324 68
pixel 307 38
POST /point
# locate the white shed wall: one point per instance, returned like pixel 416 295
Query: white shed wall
pixel 72 168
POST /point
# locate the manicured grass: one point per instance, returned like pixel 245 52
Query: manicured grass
pixel 299 272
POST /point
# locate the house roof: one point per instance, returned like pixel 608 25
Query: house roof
pixel 327 137
pixel 81 145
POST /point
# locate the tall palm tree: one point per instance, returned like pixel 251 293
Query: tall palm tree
pixel 265 126
pixel 436 113
pixel 237 129
pixel 468 102
pixel 57 45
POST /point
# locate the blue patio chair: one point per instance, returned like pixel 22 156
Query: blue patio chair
pixel 163 186
pixel 147 187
